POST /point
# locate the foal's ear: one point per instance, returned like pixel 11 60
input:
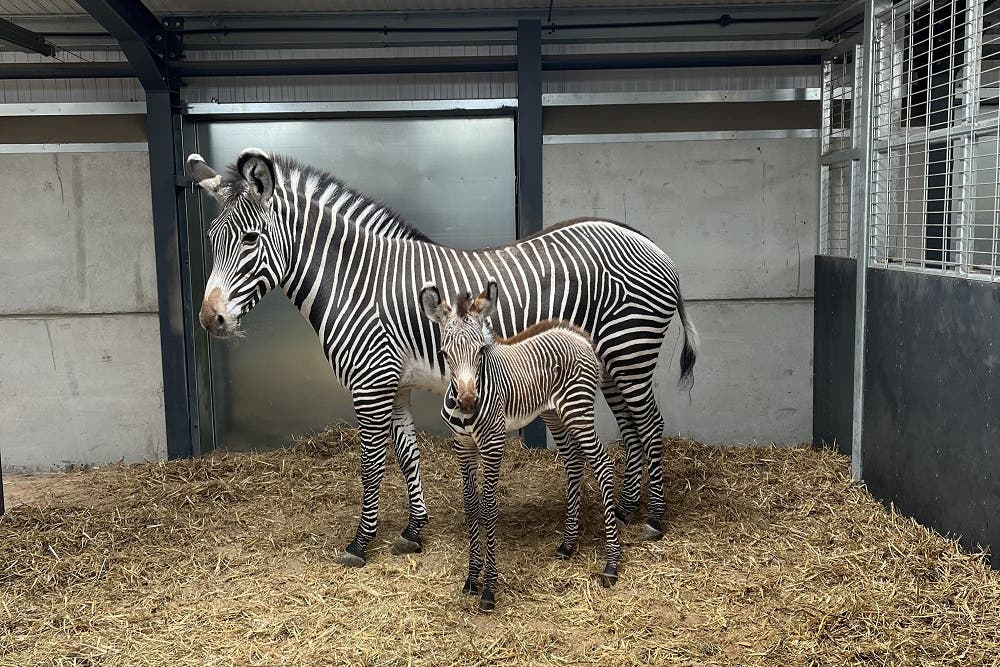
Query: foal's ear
pixel 257 169
pixel 199 172
pixel 483 306
pixel 433 306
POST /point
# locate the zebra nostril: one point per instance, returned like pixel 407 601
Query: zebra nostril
pixel 220 320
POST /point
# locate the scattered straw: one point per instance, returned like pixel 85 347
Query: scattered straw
pixel 771 557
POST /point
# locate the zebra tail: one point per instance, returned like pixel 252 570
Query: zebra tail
pixel 689 354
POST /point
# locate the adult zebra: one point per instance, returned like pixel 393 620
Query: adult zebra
pixel 354 269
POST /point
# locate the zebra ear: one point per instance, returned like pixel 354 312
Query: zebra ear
pixel 483 306
pixel 257 168
pixel 199 172
pixel 433 306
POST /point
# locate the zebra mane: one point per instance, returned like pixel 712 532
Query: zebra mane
pixel 391 224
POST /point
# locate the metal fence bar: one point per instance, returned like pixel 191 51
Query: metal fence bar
pixel 936 125
pixel 861 189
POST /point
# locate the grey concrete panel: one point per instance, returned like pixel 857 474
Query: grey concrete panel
pixel 738 217
pixel 78 235
pixel 753 377
pixel 84 389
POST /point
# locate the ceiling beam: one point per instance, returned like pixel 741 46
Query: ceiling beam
pixel 27 40
pixel 141 36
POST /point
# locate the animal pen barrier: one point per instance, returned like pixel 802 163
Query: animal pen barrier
pixel 910 158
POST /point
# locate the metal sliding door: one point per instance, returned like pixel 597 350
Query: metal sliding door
pixel 453 178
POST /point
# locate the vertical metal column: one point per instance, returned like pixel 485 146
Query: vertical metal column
pixel 528 146
pixel 175 321
pixel 860 214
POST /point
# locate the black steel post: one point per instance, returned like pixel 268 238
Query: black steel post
pixel 528 146
pixel 176 339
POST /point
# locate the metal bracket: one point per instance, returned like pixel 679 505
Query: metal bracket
pixel 174 47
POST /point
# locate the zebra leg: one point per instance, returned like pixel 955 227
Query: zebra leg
pixel 408 457
pixel 465 450
pixel 604 472
pixel 631 492
pixel 639 398
pixel 491 452
pixel 374 413
pixel 571 460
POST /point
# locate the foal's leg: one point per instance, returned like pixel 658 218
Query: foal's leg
pixel 465 449
pixel 571 531
pixel 491 452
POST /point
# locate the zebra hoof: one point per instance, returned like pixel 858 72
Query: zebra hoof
pixel 487 602
pixel 609 577
pixel 564 552
pixel 651 532
pixel 624 515
pixel 404 545
pixel 471 586
pixel 347 559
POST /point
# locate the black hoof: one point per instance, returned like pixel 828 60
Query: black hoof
pixel 609 577
pixel 564 552
pixel 652 531
pixel 624 514
pixel 471 586
pixel 405 545
pixel 351 557
pixel 487 601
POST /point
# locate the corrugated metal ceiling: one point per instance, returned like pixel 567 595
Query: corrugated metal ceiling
pixel 67 7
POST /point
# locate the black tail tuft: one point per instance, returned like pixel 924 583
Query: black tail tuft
pixel 689 354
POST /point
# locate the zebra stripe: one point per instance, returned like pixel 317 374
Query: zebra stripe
pixel 353 268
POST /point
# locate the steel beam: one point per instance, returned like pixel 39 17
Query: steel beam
pixel 346 66
pixel 30 41
pixel 176 330
pixel 528 150
pixel 141 36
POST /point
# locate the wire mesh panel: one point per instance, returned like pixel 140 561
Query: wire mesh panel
pixel 934 204
pixel 840 87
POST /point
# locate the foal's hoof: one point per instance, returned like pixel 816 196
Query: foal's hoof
pixel 471 586
pixel 405 545
pixel 487 602
pixel 564 551
pixel 609 577
pixel 652 531
pixel 347 559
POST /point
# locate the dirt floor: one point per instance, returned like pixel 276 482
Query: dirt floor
pixel 771 557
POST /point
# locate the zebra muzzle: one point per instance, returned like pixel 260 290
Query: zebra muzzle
pixel 213 316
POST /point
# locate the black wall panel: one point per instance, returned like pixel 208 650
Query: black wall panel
pixel 833 351
pixel 932 401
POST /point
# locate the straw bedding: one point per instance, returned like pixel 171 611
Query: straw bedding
pixel 771 557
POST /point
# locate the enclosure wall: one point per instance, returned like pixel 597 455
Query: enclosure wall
pixel 931 411
pixel 80 377
pixel 738 217
pixel 833 349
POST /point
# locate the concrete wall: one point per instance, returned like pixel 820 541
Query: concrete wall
pixel 80 376
pixel 739 217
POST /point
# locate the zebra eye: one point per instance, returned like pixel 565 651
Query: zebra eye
pixel 250 238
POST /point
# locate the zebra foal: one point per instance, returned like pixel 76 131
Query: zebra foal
pixel 498 385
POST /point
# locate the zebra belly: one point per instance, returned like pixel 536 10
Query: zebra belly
pixel 515 422
pixel 417 376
